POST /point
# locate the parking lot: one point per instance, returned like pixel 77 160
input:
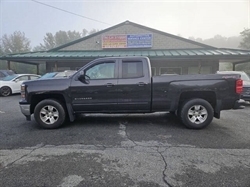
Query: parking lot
pixel 124 150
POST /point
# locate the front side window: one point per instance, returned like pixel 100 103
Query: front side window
pixel 104 70
pixel 132 69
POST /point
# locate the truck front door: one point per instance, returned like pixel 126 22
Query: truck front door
pixel 98 92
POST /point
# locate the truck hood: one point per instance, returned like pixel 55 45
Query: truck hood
pixel 50 85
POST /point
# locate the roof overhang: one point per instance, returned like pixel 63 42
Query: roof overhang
pixel 236 56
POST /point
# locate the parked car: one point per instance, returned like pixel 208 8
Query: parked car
pixel 246 83
pixel 66 73
pixel 12 83
pixel 5 73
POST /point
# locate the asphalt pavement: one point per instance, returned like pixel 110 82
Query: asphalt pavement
pixel 144 150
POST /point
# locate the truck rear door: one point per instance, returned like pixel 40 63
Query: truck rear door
pixel 134 85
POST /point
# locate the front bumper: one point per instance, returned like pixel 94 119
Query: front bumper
pixel 25 109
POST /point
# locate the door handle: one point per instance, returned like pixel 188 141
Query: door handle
pixel 141 84
pixel 110 85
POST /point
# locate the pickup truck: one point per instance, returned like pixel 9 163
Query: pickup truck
pixel 126 85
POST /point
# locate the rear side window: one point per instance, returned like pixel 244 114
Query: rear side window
pixel 132 69
pixel 33 77
pixel 24 78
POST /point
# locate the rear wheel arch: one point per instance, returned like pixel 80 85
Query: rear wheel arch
pixel 209 96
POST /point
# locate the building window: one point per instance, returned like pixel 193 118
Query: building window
pixel 60 69
pixel 170 70
pixel 202 70
pixel 132 69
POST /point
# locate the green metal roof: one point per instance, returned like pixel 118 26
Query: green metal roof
pixel 177 53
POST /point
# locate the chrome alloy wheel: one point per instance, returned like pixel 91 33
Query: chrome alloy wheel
pixel 197 114
pixel 49 114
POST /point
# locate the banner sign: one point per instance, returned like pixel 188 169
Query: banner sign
pixel 127 41
pixel 139 40
pixel 114 41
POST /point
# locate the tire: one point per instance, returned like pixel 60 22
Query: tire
pixel 5 91
pixel 49 114
pixel 196 113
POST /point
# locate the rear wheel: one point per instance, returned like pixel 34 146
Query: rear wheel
pixel 5 91
pixel 196 113
pixel 49 114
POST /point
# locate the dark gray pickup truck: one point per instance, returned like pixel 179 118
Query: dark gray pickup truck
pixel 125 85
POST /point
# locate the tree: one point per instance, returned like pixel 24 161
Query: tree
pixel 59 38
pixel 93 31
pixel 2 64
pixel 14 43
pixel 220 41
pixel 245 43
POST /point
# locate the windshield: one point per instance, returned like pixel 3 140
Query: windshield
pixel 8 78
pixel 48 75
pixel 9 72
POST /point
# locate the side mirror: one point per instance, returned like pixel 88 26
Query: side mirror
pixel 17 80
pixel 83 77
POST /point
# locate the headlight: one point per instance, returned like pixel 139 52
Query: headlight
pixel 23 91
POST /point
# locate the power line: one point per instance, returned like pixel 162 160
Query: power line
pixel 70 12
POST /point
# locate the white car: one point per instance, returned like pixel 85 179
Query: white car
pixel 12 84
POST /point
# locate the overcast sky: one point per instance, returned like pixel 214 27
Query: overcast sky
pixel 197 18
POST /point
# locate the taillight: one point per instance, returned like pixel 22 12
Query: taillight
pixel 239 86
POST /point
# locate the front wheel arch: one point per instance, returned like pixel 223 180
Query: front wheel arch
pixel 196 113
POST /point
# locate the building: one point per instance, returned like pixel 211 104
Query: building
pixel 169 54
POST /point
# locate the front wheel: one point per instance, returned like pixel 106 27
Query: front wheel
pixel 196 113
pixel 49 114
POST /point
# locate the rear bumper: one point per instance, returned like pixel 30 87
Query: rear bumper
pixel 245 97
pixel 25 109
pixel 239 104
